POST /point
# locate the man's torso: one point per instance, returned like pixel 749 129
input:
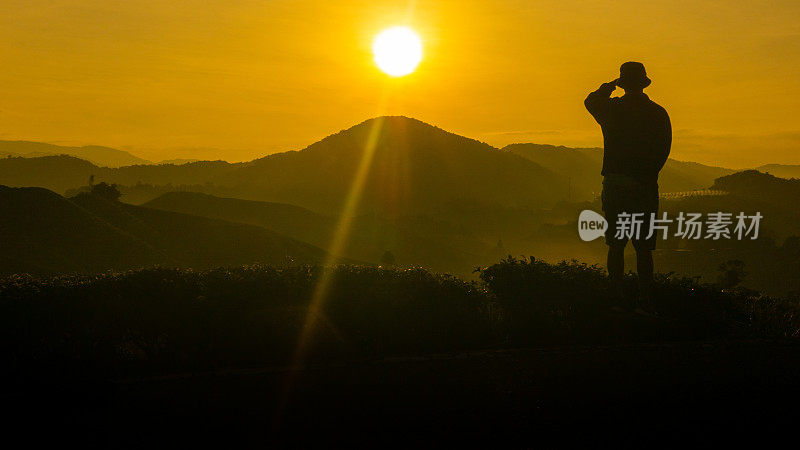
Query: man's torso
pixel 634 134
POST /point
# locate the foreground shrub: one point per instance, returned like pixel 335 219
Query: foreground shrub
pixel 542 300
pixel 169 319
pixel 571 302
pixel 166 320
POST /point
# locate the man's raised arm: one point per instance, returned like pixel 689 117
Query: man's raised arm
pixel 598 102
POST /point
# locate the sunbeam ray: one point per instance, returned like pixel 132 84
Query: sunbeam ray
pixel 327 271
pixel 338 243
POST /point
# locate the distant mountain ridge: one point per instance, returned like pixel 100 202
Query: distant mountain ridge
pixel 583 165
pixel 179 161
pixel 754 183
pixel 409 167
pixel 781 170
pixel 61 173
pixel 98 155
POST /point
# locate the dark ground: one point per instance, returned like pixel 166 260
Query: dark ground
pixel 687 394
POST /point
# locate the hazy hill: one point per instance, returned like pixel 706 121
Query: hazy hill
pixel 750 191
pixel 101 156
pixel 187 173
pixel 282 218
pixel 678 176
pixel 766 187
pixel 781 170
pixel 199 241
pixel 63 172
pixel 772 261
pixel 57 173
pixel 583 166
pixel 412 240
pixel 179 161
pixel 408 166
pixel 41 231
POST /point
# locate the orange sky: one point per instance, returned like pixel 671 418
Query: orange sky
pixel 237 79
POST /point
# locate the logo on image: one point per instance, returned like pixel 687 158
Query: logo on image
pixel 591 225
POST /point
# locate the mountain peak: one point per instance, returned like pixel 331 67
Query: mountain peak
pixel 395 120
pixel 392 125
pixel 409 166
pixel 393 134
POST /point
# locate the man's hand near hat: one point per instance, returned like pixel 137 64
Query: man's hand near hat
pixel 608 88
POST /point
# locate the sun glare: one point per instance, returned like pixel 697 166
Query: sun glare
pixel 397 51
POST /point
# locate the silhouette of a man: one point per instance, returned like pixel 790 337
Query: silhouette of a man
pixel 637 136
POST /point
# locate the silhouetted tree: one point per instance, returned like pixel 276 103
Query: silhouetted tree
pixel 107 191
pixel 731 273
pixel 388 258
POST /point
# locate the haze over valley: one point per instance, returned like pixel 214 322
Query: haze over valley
pixel 420 196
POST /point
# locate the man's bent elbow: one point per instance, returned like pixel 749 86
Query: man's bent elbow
pixel 589 103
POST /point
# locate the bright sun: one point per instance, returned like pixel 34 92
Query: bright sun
pixel 397 50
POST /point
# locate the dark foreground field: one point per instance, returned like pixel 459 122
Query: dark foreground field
pixel 677 394
pixel 531 355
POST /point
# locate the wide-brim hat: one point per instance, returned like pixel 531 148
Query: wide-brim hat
pixel 633 75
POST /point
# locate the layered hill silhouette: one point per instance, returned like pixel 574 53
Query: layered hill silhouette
pixel 56 173
pixel 751 190
pixel 61 173
pixel 43 232
pixel 425 196
pixel 409 167
pixel 412 241
pixel 781 170
pixel 582 166
pixel 99 155
pixel 764 186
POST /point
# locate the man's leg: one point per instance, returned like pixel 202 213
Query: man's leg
pixel 644 247
pixel 616 266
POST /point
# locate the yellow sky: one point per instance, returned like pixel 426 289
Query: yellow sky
pixel 237 79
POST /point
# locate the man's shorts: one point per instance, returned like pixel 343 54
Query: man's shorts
pixel 625 195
